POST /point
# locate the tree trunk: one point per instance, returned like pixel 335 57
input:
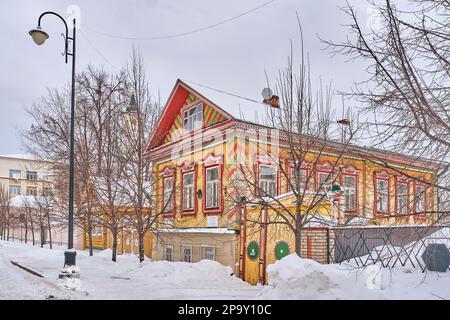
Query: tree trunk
pixel 114 245
pixel 49 228
pixel 32 230
pixel 141 246
pixel 26 229
pixel 91 249
pixel 298 241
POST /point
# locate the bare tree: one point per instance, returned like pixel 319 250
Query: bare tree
pixel 4 213
pixel 406 95
pixel 304 139
pixel 139 121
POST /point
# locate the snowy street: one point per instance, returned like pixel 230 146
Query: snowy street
pixel 289 278
pixel 103 279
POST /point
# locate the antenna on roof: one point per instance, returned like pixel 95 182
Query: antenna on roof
pixel 270 99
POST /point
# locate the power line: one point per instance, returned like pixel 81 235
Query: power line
pixel 224 92
pixel 96 50
pixel 181 34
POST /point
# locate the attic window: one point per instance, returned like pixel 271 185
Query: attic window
pixel 193 118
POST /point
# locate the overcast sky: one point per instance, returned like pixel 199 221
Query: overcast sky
pixel 231 57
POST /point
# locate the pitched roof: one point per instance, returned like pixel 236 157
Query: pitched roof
pixel 230 106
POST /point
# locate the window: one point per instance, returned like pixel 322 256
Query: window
pixel 47 191
pixel 168 253
pixel 402 198
pixel 32 175
pixel 97 231
pixel 188 191
pixel 382 195
pixel 212 187
pixel 350 184
pixel 168 195
pixel 14 174
pixel 14 190
pixel 208 253
pixel 186 253
pixel 31 191
pixel 193 118
pixel 420 198
pixel 324 180
pixel 267 180
pixel 302 175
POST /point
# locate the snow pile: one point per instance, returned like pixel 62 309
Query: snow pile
pixel 296 278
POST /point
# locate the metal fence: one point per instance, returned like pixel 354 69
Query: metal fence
pixel 389 245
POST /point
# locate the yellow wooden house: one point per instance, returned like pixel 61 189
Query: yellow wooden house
pixel 196 154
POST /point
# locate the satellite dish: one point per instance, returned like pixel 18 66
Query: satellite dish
pixel 267 93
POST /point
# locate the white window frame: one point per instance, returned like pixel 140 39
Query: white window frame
pixel 402 208
pixel 268 187
pixel 382 200
pixel 329 178
pixel 12 171
pixel 32 175
pixel 203 254
pixel 168 246
pixel 17 187
pixel 303 173
pixel 350 192
pixel 183 256
pixel 168 195
pixel 34 193
pixel 420 198
pixel 212 197
pixel 193 118
pixel 188 192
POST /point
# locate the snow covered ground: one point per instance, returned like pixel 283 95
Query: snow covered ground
pixel 126 279
pixel 289 278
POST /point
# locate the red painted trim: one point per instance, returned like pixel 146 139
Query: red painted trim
pixel 219 209
pixel 186 170
pixel 381 175
pixel 321 169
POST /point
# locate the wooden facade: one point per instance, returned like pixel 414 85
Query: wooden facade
pixel 180 150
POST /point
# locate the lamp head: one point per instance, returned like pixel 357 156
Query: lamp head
pixel 39 36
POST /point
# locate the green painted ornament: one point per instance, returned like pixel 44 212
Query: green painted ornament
pixel 281 249
pixel 253 250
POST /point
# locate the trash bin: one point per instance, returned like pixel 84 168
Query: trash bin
pixel 436 257
pixel 70 258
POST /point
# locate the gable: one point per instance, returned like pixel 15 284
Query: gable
pixel 170 124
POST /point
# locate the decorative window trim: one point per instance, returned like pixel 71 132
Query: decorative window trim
pixel 381 175
pixel 169 173
pixel 324 167
pixel 402 180
pixel 350 171
pixel 420 216
pixel 277 177
pixel 186 168
pixel 209 162
pixel 303 166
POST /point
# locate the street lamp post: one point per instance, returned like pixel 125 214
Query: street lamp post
pixel 39 37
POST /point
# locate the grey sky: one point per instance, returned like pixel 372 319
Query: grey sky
pixel 231 57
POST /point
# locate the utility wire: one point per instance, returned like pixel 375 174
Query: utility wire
pixel 224 92
pixel 181 34
pixel 96 50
